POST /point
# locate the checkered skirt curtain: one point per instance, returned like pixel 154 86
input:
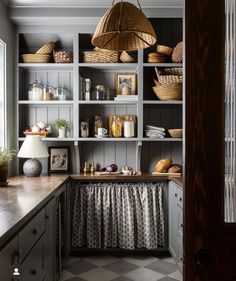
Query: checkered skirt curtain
pixel 118 215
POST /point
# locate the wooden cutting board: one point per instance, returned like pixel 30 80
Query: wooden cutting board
pixel 167 174
pixel 107 173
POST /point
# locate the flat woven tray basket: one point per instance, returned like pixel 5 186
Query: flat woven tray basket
pixel 100 56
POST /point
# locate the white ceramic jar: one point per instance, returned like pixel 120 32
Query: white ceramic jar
pixel 128 129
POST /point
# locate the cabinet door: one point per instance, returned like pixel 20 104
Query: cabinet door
pixel 33 267
pixel 50 241
pixel 9 261
pixel 173 220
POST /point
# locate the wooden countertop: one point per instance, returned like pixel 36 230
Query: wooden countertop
pixel 177 180
pixel 25 196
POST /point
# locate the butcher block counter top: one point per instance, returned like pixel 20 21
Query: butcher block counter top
pixel 24 197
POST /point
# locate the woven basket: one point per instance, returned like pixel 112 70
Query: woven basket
pixel 168 91
pixel 63 56
pixel 46 49
pixel 156 58
pixel 168 79
pixel 173 71
pixel 100 56
pixel 36 58
pixel 164 50
pixel 177 55
pixel 176 133
pixel 125 57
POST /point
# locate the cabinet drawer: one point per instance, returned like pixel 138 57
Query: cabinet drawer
pixel 33 267
pixel 31 234
pixel 180 220
pixel 9 260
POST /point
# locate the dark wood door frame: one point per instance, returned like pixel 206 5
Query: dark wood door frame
pixel 204 147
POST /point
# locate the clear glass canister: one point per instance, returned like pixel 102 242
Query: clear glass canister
pixel 35 91
pixel 100 92
pixel 48 92
pixel 60 93
pixel 116 127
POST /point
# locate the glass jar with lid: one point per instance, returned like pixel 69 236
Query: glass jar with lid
pixel 99 92
pixel 116 127
pixel 48 92
pixel 35 91
pixel 60 93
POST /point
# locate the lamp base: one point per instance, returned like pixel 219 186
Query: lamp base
pixel 32 168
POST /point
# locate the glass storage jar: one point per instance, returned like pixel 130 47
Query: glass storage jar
pixel 116 127
pixel 48 92
pixel 35 91
pixel 97 124
pixel 60 93
pixel 99 92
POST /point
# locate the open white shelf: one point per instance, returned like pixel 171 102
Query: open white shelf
pixel 159 102
pixel 111 102
pixel 162 64
pixel 56 102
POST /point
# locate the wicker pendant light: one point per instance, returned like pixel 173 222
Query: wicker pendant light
pixel 124 27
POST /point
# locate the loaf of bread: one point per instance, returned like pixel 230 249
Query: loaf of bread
pixel 163 165
pixel 175 168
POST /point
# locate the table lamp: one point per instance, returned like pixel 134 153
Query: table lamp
pixel 32 148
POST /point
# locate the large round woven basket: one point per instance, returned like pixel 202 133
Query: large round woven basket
pixel 168 91
pixel 35 58
pixel 124 27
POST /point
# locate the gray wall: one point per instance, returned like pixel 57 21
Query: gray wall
pixel 7 35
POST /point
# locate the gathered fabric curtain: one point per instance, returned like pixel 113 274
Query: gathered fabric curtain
pixel 118 215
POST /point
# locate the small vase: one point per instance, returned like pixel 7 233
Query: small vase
pixel 62 132
pixel 3 174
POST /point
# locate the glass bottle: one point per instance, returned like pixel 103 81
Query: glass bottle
pixel 116 127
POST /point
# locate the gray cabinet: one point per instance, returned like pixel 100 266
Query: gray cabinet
pixel 35 251
pixel 9 261
pixel 176 223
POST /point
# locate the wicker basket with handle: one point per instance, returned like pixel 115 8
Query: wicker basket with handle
pixel 168 91
pixel 173 71
pixel 168 79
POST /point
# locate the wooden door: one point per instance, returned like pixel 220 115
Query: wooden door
pixel 210 243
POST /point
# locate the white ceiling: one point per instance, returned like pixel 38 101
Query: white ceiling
pixel 91 3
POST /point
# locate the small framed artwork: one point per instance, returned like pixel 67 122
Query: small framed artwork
pixel 125 83
pixel 59 159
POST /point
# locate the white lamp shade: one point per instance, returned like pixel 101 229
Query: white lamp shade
pixel 33 147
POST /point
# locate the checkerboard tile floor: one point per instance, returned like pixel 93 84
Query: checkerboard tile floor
pixel 120 268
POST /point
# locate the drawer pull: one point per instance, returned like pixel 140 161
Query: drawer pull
pixel 180 199
pixel 35 231
pixel 181 225
pixel 33 272
pixel 47 217
pixel 175 194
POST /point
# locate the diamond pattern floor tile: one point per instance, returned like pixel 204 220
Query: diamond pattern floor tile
pixel 142 274
pixel 79 267
pixel 121 267
pixel 99 274
pixel 100 260
pixel 176 275
pixel 140 260
pixel 163 267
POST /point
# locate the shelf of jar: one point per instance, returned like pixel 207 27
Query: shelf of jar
pixel 108 102
pixel 47 66
pixel 168 102
pixel 146 64
pixel 48 102
pixel 108 139
pixel 110 66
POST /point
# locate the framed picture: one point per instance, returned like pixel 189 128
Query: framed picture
pixel 59 159
pixel 125 83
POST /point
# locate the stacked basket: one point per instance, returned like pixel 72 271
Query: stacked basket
pixel 41 56
pixel 169 84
